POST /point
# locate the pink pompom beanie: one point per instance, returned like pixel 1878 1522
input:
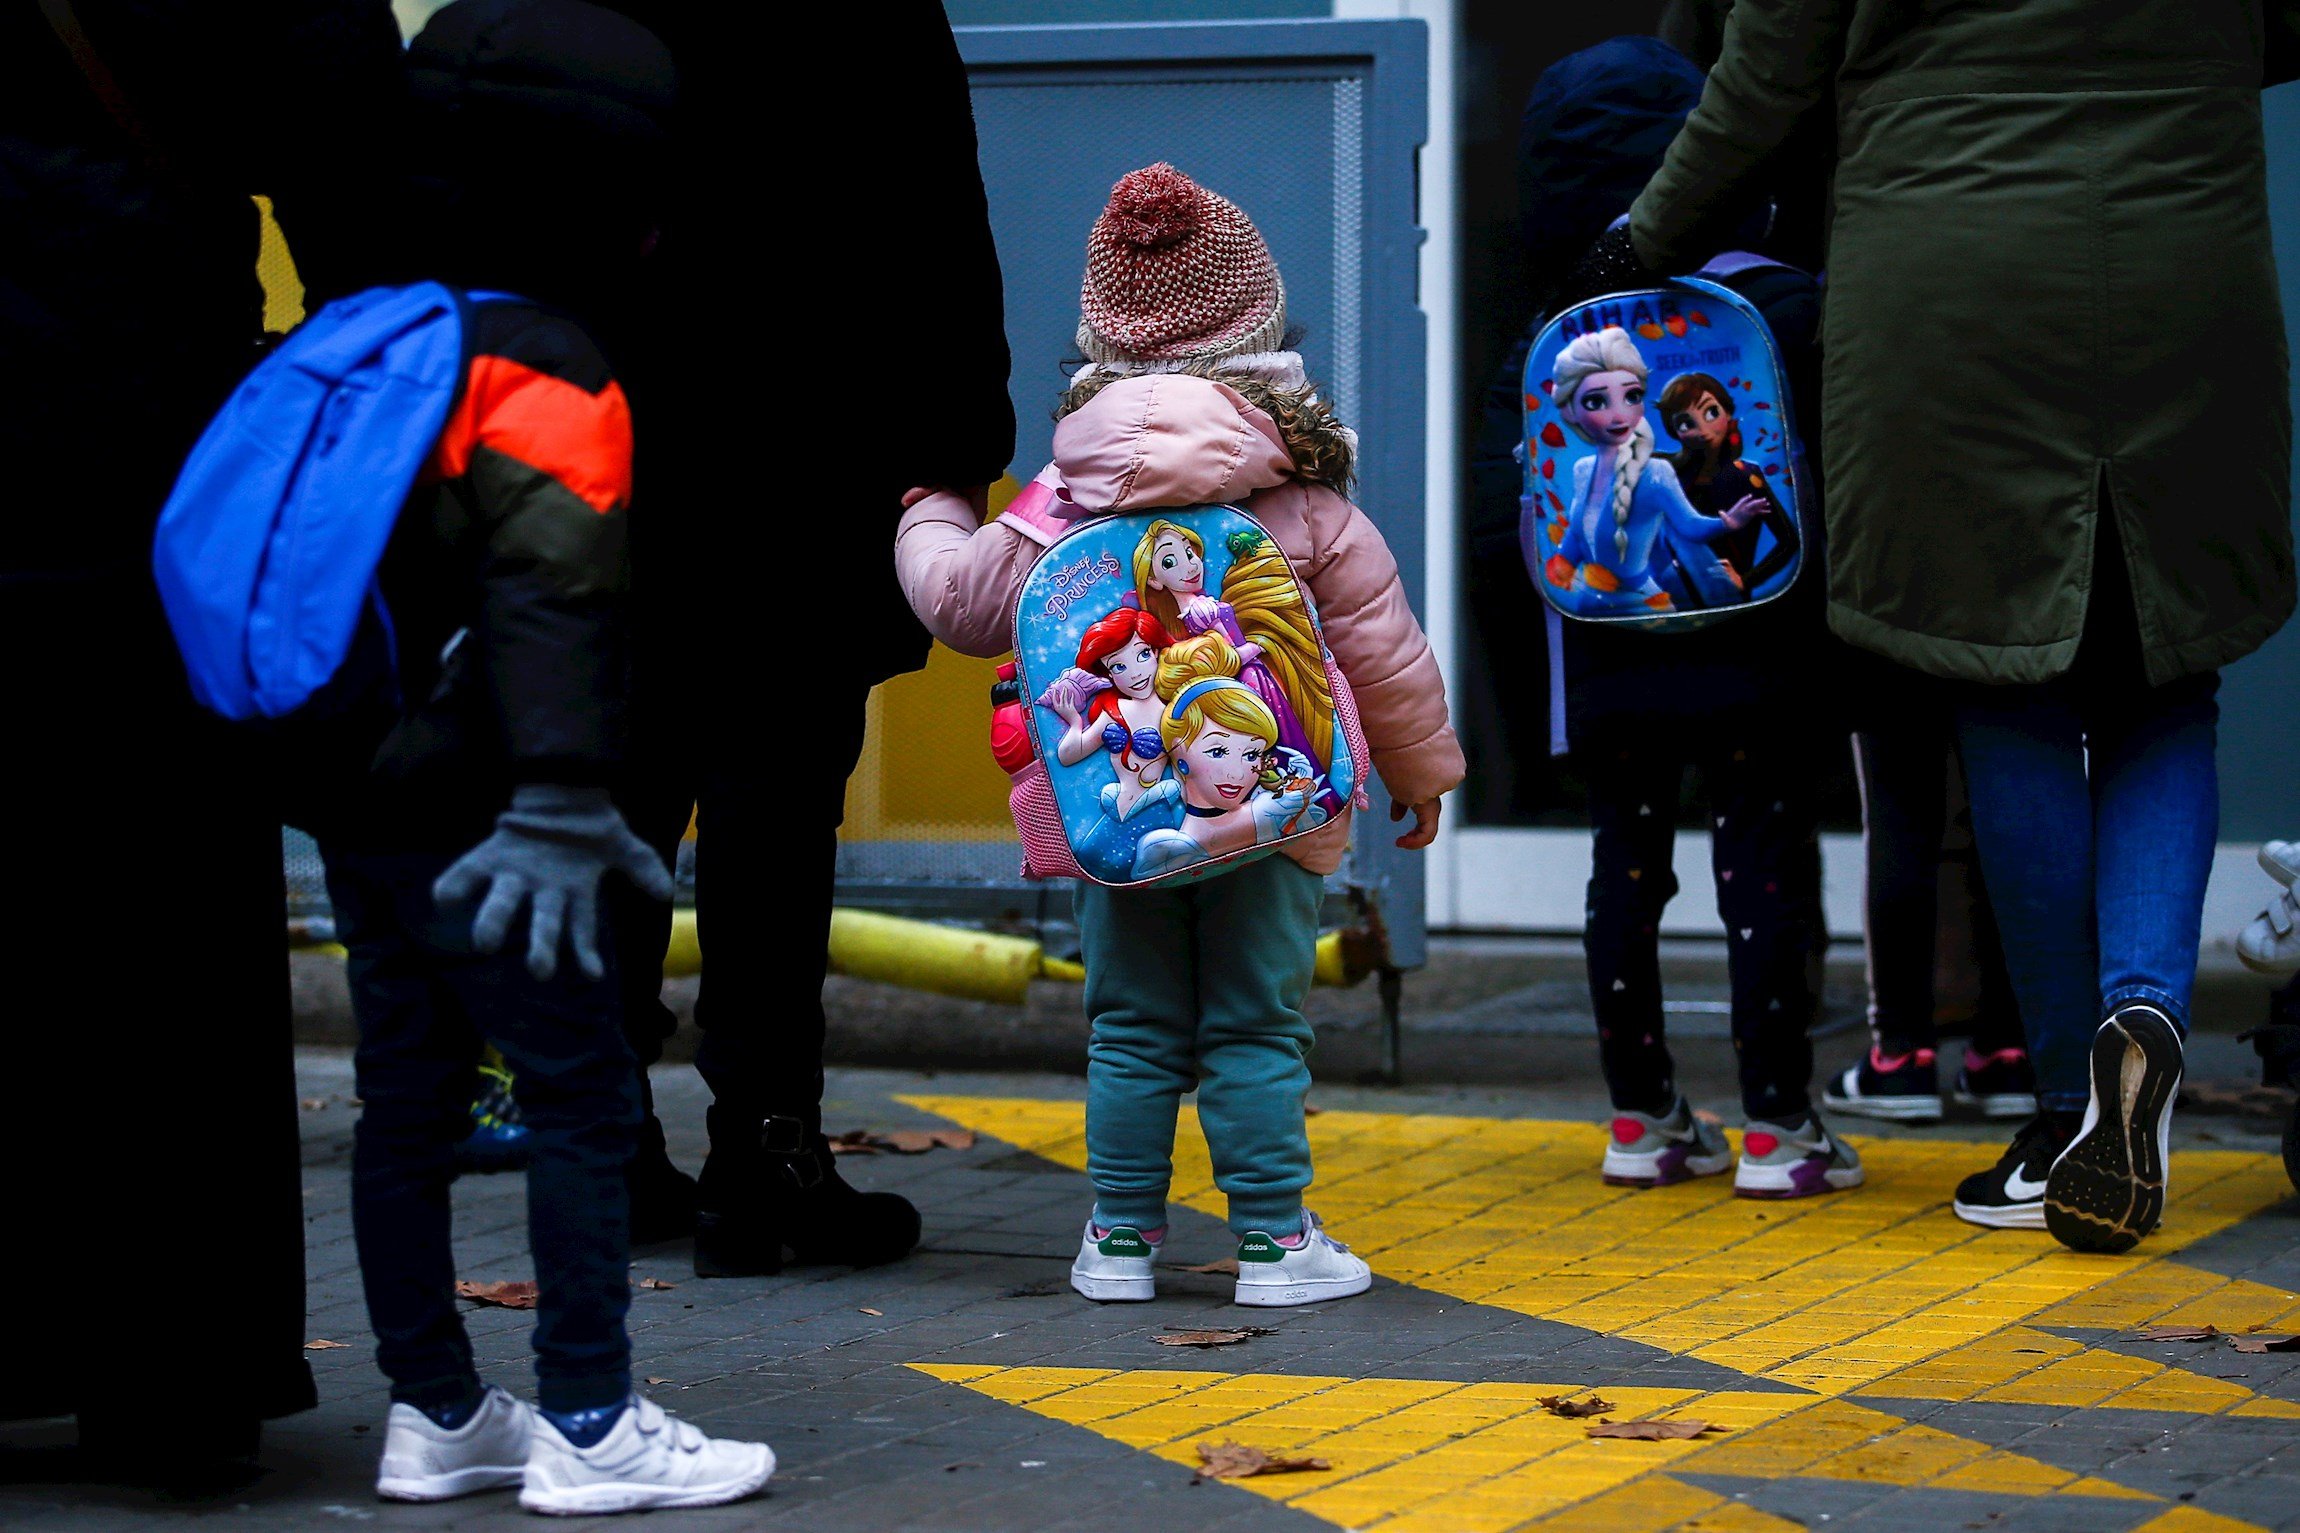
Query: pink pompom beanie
pixel 1176 273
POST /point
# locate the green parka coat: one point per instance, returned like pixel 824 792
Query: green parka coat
pixel 2050 294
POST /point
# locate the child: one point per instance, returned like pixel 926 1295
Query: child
pixel 536 122
pixel 1186 400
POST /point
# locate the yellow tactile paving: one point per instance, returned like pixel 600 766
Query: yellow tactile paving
pixel 1881 1293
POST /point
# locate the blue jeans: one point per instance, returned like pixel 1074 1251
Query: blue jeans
pixel 1201 986
pixel 2095 807
pixel 425 1000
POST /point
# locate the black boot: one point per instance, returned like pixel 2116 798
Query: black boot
pixel 662 1198
pixel 771 1187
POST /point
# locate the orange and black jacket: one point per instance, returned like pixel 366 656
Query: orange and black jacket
pixel 506 581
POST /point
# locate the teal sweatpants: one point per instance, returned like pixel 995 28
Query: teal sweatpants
pixel 1201 985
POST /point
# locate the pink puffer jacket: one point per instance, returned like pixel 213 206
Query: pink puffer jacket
pixel 1172 440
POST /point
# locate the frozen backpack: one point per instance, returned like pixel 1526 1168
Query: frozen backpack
pixel 1182 713
pixel 266 554
pixel 1664 484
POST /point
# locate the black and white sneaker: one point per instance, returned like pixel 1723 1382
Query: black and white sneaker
pixel 2107 1189
pixel 1898 1088
pixel 2001 1085
pixel 2010 1194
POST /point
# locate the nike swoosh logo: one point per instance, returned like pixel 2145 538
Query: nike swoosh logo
pixel 2020 1189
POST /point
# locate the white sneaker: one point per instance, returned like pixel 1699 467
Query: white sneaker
pixel 1279 1277
pixel 649 1459
pixel 424 1461
pixel 1644 1151
pixel 2270 944
pixel 1782 1160
pixel 1117 1267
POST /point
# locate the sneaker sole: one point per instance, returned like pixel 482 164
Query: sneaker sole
pixel 2000 1104
pixel 1646 1172
pixel 1910 1109
pixel 2016 1216
pixel 612 1496
pixel 1288 1295
pixel 1114 1290
pixel 1777 1183
pixel 455 1483
pixel 2107 1189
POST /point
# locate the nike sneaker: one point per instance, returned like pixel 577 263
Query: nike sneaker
pixel 2107 1189
pixel 1794 1160
pixel 1646 1151
pixel 2010 1194
pixel 1899 1088
pixel 2001 1085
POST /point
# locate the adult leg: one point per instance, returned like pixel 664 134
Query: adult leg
pixel 1764 820
pixel 766 864
pixel 1256 936
pixel 1140 950
pixel 1633 789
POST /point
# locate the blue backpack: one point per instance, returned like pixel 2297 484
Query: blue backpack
pixel 1678 394
pixel 266 554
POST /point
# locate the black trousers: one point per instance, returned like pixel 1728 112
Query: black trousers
pixel 1763 819
pixel 1905 774
pixel 769 798
pixel 151 1123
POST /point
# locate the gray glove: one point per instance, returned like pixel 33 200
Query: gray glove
pixel 550 850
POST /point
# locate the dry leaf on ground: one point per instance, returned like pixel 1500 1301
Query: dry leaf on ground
pixel 1574 1410
pixel 655 1283
pixel 2263 1342
pixel 901 1141
pixel 322 1344
pixel 653 1380
pixel 2180 1333
pixel 867 1310
pixel 1226 1267
pixel 1652 1431
pixel 520 1295
pixel 312 1104
pixel 1234 1461
pixel 1225 1337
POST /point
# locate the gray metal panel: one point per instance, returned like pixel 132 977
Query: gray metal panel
pixel 1311 126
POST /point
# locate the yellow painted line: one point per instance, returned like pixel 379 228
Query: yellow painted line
pixel 1881 1291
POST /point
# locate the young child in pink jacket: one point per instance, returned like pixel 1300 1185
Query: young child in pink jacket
pixel 1187 399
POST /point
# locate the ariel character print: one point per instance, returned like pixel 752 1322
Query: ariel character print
pixel 1108 704
pixel 1260 612
pixel 1626 501
pixel 1698 411
pixel 1239 786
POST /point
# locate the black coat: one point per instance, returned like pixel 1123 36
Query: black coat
pixel 154 1132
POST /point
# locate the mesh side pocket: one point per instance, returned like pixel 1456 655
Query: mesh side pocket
pixel 1045 847
pixel 1346 717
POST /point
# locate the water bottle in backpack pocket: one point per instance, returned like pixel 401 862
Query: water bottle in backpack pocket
pixel 1664 483
pixel 267 552
pixel 1184 714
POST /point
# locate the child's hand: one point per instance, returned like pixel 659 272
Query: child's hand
pixel 1425 822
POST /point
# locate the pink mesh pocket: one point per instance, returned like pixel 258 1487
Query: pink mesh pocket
pixel 1346 718
pixel 1045 847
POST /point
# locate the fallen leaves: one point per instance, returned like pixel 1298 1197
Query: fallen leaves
pixel 655 1283
pixel 322 1344
pixel 2181 1333
pixel 1225 1267
pixel 1229 1336
pixel 2249 1341
pixel 514 1295
pixel 2264 1342
pixel 1235 1461
pixel 1574 1410
pixel 653 1379
pixel 867 1310
pixel 901 1141
pixel 1653 1431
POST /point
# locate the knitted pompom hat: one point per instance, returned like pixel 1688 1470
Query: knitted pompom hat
pixel 1176 273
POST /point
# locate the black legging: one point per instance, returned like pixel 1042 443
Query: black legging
pixel 1904 773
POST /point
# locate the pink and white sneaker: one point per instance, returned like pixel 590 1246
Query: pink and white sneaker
pixel 1794 1160
pixel 1646 1151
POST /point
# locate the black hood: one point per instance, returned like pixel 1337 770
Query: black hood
pixel 541 142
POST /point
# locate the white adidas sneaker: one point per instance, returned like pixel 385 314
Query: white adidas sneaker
pixel 1118 1266
pixel 1279 1277
pixel 648 1459
pixel 424 1461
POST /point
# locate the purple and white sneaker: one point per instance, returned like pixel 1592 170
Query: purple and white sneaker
pixel 1646 1151
pixel 1794 1160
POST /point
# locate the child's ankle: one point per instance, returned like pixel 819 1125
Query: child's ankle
pixel 447 1406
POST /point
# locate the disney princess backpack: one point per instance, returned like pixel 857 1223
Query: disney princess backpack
pixel 1665 487
pixel 1171 680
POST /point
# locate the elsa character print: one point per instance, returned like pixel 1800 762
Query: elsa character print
pixel 1625 499
pixel 1239 787
pixel 1261 614
pixel 1109 706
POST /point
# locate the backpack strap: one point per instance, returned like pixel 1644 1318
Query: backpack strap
pixel 1033 512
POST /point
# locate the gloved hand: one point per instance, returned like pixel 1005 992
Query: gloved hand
pixel 1609 266
pixel 549 852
